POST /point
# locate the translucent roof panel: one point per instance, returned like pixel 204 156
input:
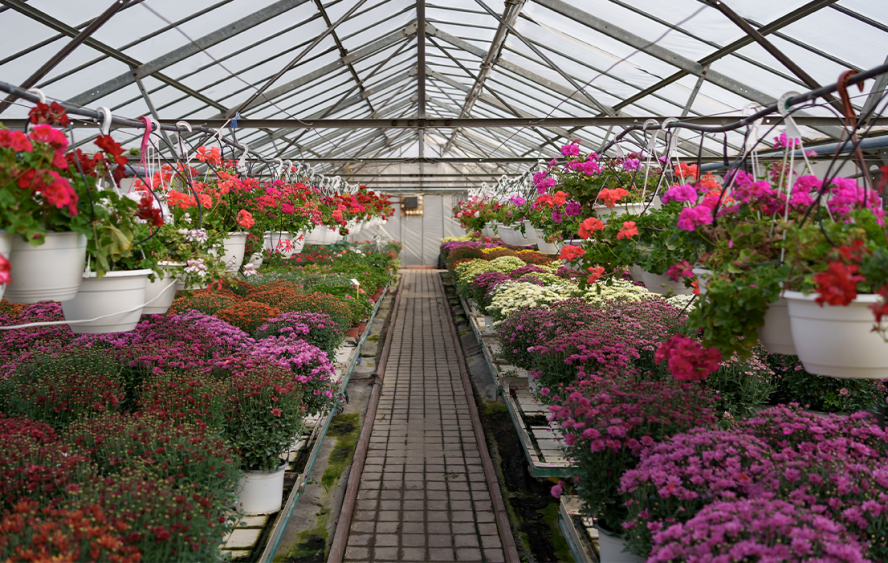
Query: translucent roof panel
pixel 546 59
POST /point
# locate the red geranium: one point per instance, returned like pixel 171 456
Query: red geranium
pixel 571 252
pixel 838 284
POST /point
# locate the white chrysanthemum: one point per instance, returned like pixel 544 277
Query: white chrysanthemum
pixel 601 292
pixel 681 301
pixel 515 296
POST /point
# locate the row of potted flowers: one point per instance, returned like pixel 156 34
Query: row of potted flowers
pixel 148 445
pixel 71 229
pixel 676 451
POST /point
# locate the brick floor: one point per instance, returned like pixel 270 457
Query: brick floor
pixel 422 495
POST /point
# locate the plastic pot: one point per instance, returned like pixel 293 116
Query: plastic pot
pixel 837 341
pixel 662 284
pixel 234 251
pixel 612 548
pixel 261 492
pixel 158 293
pixel 776 334
pixel 52 271
pixel 118 298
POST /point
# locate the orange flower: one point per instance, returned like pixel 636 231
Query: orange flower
pixel 589 226
pixel 560 197
pixel 611 197
pixel 686 171
pixel 629 230
pixel 571 252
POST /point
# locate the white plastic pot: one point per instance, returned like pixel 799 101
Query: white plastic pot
pixel 611 548
pixel 837 341
pixel 52 271
pixel 603 213
pixel 234 245
pixel 159 294
pixel 118 298
pixel 256 260
pixel 6 252
pixel 528 238
pixel 662 284
pixel 776 335
pixel 275 238
pixel 637 273
pixel 261 492
pixel 487 231
pixel 316 235
pixel 549 248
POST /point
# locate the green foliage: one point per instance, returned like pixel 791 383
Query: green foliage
pixel 743 386
pixel 819 393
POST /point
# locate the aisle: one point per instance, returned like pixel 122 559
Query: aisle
pixel 423 494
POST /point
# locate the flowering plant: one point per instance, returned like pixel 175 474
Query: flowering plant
pixel 678 477
pixel 510 297
pixel 607 425
pixel 318 329
pixel 794 384
pixel 760 530
pixel 264 412
pixel 285 207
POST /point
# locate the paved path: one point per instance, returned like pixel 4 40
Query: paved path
pixel 423 495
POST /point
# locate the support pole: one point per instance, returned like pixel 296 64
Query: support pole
pixel 420 59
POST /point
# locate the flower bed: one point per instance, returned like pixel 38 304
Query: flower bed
pixel 145 434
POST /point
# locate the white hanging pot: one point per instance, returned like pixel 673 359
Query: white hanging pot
pixel 118 298
pixel 548 248
pixel 235 246
pixel 662 284
pixel 256 260
pixel 52 271
pixel 261 492
pixel 159 294
pixel 529 237
pixel 776 335
pixel 603 213
pixel 276 240
pixel 6 252
pixel 637 273
pixel 611 548
pixel 316 235
pixel 487 231
pixel 837 341
pixel 330 236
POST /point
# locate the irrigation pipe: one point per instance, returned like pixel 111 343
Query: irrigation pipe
pixel 340 537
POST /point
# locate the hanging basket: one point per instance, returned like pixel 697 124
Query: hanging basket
pixel 662 284
pixel 837 341
pixel 52 271
pixel 234 246
pixel 261 492
pixel 118 298
pixel 158 293
pixel 548 248
pixel 605 214
pixel 277 240
pixel 316 235
pixel 776 334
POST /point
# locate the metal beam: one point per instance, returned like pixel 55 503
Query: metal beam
pixel 295 61
pixel 66 50
pixel 510 15
pixel 809 81
pixel 420 56
pixel 876 93
pixel 448 123
pixel 57 25
pixel 406 32
pixel 656 51
pixel 694 92
pixel 779 23
pixel 190 49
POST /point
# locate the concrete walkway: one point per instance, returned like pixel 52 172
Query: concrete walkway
pixel 423 494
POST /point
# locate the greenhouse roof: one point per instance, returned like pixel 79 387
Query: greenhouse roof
pixel 303 60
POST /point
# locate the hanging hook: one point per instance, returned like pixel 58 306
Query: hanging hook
pixel 242 161
pixel 106 120
pixel 179 126
pixel 38 92
pixel 280 168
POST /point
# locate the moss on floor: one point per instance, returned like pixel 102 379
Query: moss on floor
pixel 345 428
pixel 550 516
pixel 311 545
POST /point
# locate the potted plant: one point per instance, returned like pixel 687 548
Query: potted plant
pixel 42 212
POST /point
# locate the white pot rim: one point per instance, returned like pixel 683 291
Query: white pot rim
pixel 120 273
pixel 861 297
pixel 282 467
pixel 170 264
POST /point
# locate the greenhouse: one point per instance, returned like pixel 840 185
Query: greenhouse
pixel 292 281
